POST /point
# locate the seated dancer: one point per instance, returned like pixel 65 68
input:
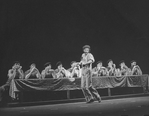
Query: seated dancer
pixel 118 72
pixel 99 70
pixel 32 73
pixel 61 72
pixel 75 70
pixel 14 73
pixel 111 68
pixel 135 69
pixel 123 68
pixel 129 71
pixel 47 72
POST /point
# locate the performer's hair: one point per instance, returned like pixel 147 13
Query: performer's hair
pixel 109 60
pixel 72 62
pixel 86 46
pixel 47 64
pixel 33 64
pixel 17 62
pixel 99 62
pixel 122 61
pixel 133 61
pixel 58 63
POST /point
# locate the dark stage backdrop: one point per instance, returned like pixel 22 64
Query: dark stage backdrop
pixel 55 30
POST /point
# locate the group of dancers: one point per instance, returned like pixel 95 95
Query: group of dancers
pixel 82 69
pixel 75 70
pixel 111 69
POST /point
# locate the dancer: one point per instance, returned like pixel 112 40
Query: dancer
pixel 124 69
pixel 16 71
pixel 89 91
pixel 111 68
pixel 135 69
pixel 99 70
pixel 33 72
pixel 47 72
pixel 61 72
pixel 75 70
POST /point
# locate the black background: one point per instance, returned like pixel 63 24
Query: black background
pixel 55 30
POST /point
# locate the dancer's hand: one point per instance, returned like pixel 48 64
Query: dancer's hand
pixel 71 79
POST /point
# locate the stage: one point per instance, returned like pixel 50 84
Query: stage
pixel 131 106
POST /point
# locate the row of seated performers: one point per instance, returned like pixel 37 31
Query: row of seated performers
pixel 75 71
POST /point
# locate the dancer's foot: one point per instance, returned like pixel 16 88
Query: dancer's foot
pixel 90 101
pixel 99 99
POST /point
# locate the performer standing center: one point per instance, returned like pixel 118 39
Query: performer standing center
pixel 89 91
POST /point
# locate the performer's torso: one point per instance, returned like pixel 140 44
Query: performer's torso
pixel 33 74
pixel 17 76
pixel 135 70
pixel 48 73
pixel 86 58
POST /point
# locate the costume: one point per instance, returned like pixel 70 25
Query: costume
pixel 135 70
pixel 99 71
pixel 86 80
pixel 102 71
pixel 111 70
pixel 4 89
pixel 47 73
pixel 75 70
pixel 32 74
pixel 124 70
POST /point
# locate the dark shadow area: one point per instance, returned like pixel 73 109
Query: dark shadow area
pixel 76 94
pixel 126 90
pixel 103 92
pixel 32 96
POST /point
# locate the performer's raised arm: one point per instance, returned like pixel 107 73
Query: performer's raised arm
pixel 33 72
pixel 135 69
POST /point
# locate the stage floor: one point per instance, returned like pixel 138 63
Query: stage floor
pixel 134 106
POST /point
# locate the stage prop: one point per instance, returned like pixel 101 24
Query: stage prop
pixel 20 85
